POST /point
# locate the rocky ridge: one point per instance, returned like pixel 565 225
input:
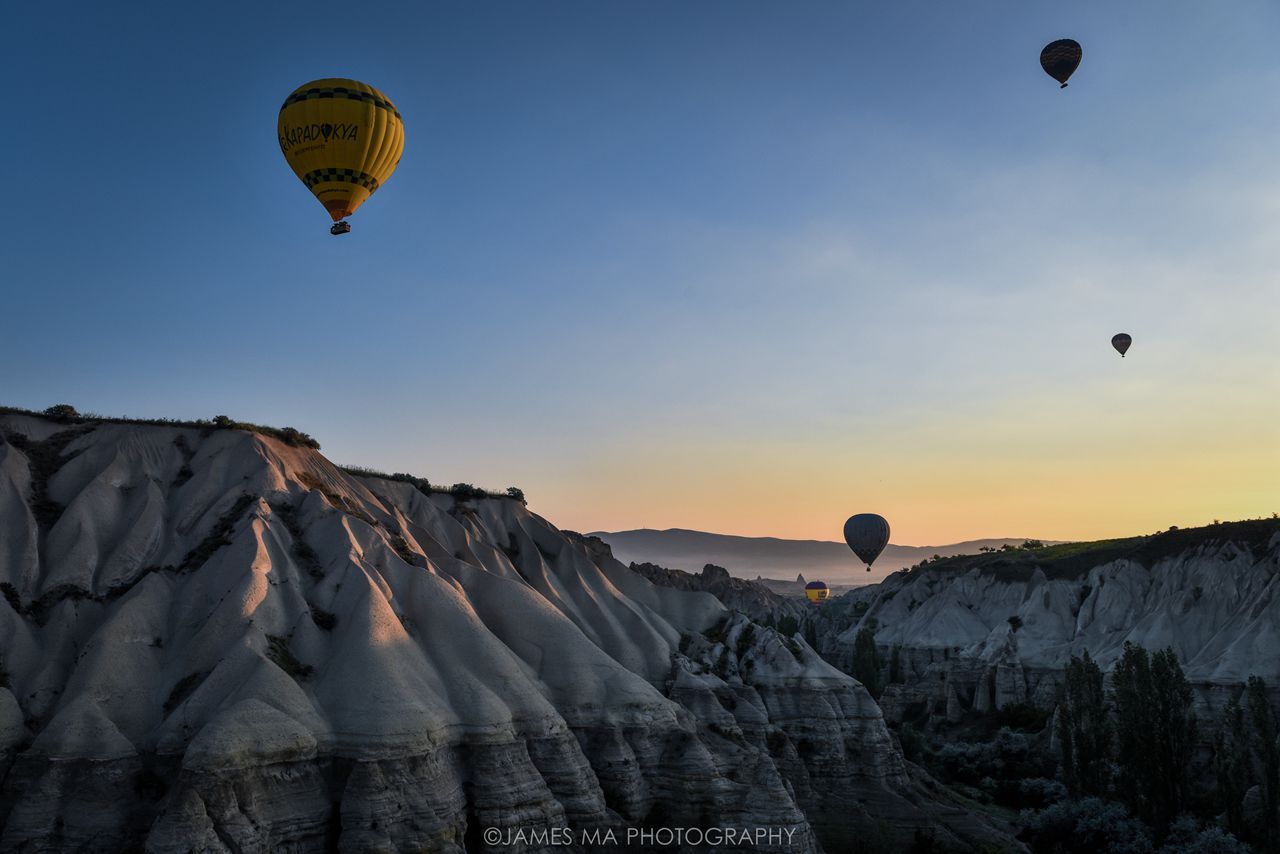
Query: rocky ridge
pixel 213 640
pixel 977 633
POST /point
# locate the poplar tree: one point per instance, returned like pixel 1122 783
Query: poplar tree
pixel 1084 730
pixel 1266 751
pixel 1155 734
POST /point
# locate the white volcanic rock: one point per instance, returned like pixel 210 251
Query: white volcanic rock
pixel 1210 594
pixel 752 598
pixel 215 641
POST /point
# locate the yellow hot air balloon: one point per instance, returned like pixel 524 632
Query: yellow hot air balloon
pixel 817 592
pixel 343 139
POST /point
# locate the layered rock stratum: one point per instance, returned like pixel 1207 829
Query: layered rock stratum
pixel 214 641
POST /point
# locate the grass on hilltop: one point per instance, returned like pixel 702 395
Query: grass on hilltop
pixel 1074 560
pixel 460 491
pixel 64 413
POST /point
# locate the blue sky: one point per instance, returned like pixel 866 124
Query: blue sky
pixel 739 266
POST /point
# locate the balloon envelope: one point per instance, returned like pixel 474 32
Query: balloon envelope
pixel 1121 342
pixel 817 591
pixel 1060 59
pixel 342 138
pixel 867 534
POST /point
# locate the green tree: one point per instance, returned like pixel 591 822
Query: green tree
pixel 62 412
pixel 1084 730
pixel 1266 751
pixel 1232 760
pixel 895 664
pixel 1156 732
pixel 866 660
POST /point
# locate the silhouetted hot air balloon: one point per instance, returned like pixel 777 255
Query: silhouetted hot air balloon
pixel 817 592
pixel 1060 59
pixel 343 139
pixel 867 534
pixel 1121 342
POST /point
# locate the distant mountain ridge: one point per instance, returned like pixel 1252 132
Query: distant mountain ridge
pixel 772 557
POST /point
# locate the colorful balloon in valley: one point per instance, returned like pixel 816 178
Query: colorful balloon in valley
pixel 1060 59
pixel 817 592
pixel 343 139
pixel 1121 342
pixel 867 534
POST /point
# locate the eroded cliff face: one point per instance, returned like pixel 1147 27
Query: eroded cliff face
pixel 214 641
pixel 1210 594
pixel 748 597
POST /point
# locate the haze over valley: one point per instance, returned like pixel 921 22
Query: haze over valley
pixel 774 558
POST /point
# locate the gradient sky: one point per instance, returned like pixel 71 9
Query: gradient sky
pixel 739 266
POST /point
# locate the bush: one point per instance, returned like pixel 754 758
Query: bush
pixel 1089 826
pixel 63 412
pixel 306 556
pixel 278 651
pixel 324 620
pixel 402 550
pixel 458 490
pixel 463 491
pixel 716 633
pixel 218 537
pixel 999 767
pixel 1040 792
pixel 186 685
pixel 1186 837
pixel 1025 717
pixel 913 746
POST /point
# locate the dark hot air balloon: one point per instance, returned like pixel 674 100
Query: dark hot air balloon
pixel 1060 59
pixel 1121 342
pixel 817 592
pixel 343 139
pixel 867 534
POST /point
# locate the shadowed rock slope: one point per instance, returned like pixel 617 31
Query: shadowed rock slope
pixel 214 641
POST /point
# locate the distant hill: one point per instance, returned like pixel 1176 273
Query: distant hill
pixel 770 557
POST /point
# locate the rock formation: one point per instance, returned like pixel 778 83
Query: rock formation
pixel 982 632
pixel 752 598
pixel 215 641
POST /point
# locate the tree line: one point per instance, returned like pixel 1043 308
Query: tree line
pixel 1137 744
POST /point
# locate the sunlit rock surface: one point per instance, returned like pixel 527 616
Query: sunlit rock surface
pixel 213 641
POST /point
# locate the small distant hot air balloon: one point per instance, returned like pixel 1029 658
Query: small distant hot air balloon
pixel 817 592
pixel 1060 59
pixel 867 534
pixel 343 139
pixel 1121 342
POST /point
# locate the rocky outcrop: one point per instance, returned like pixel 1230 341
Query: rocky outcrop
pixel 980 633
pixel 748 597
pixel 214 641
